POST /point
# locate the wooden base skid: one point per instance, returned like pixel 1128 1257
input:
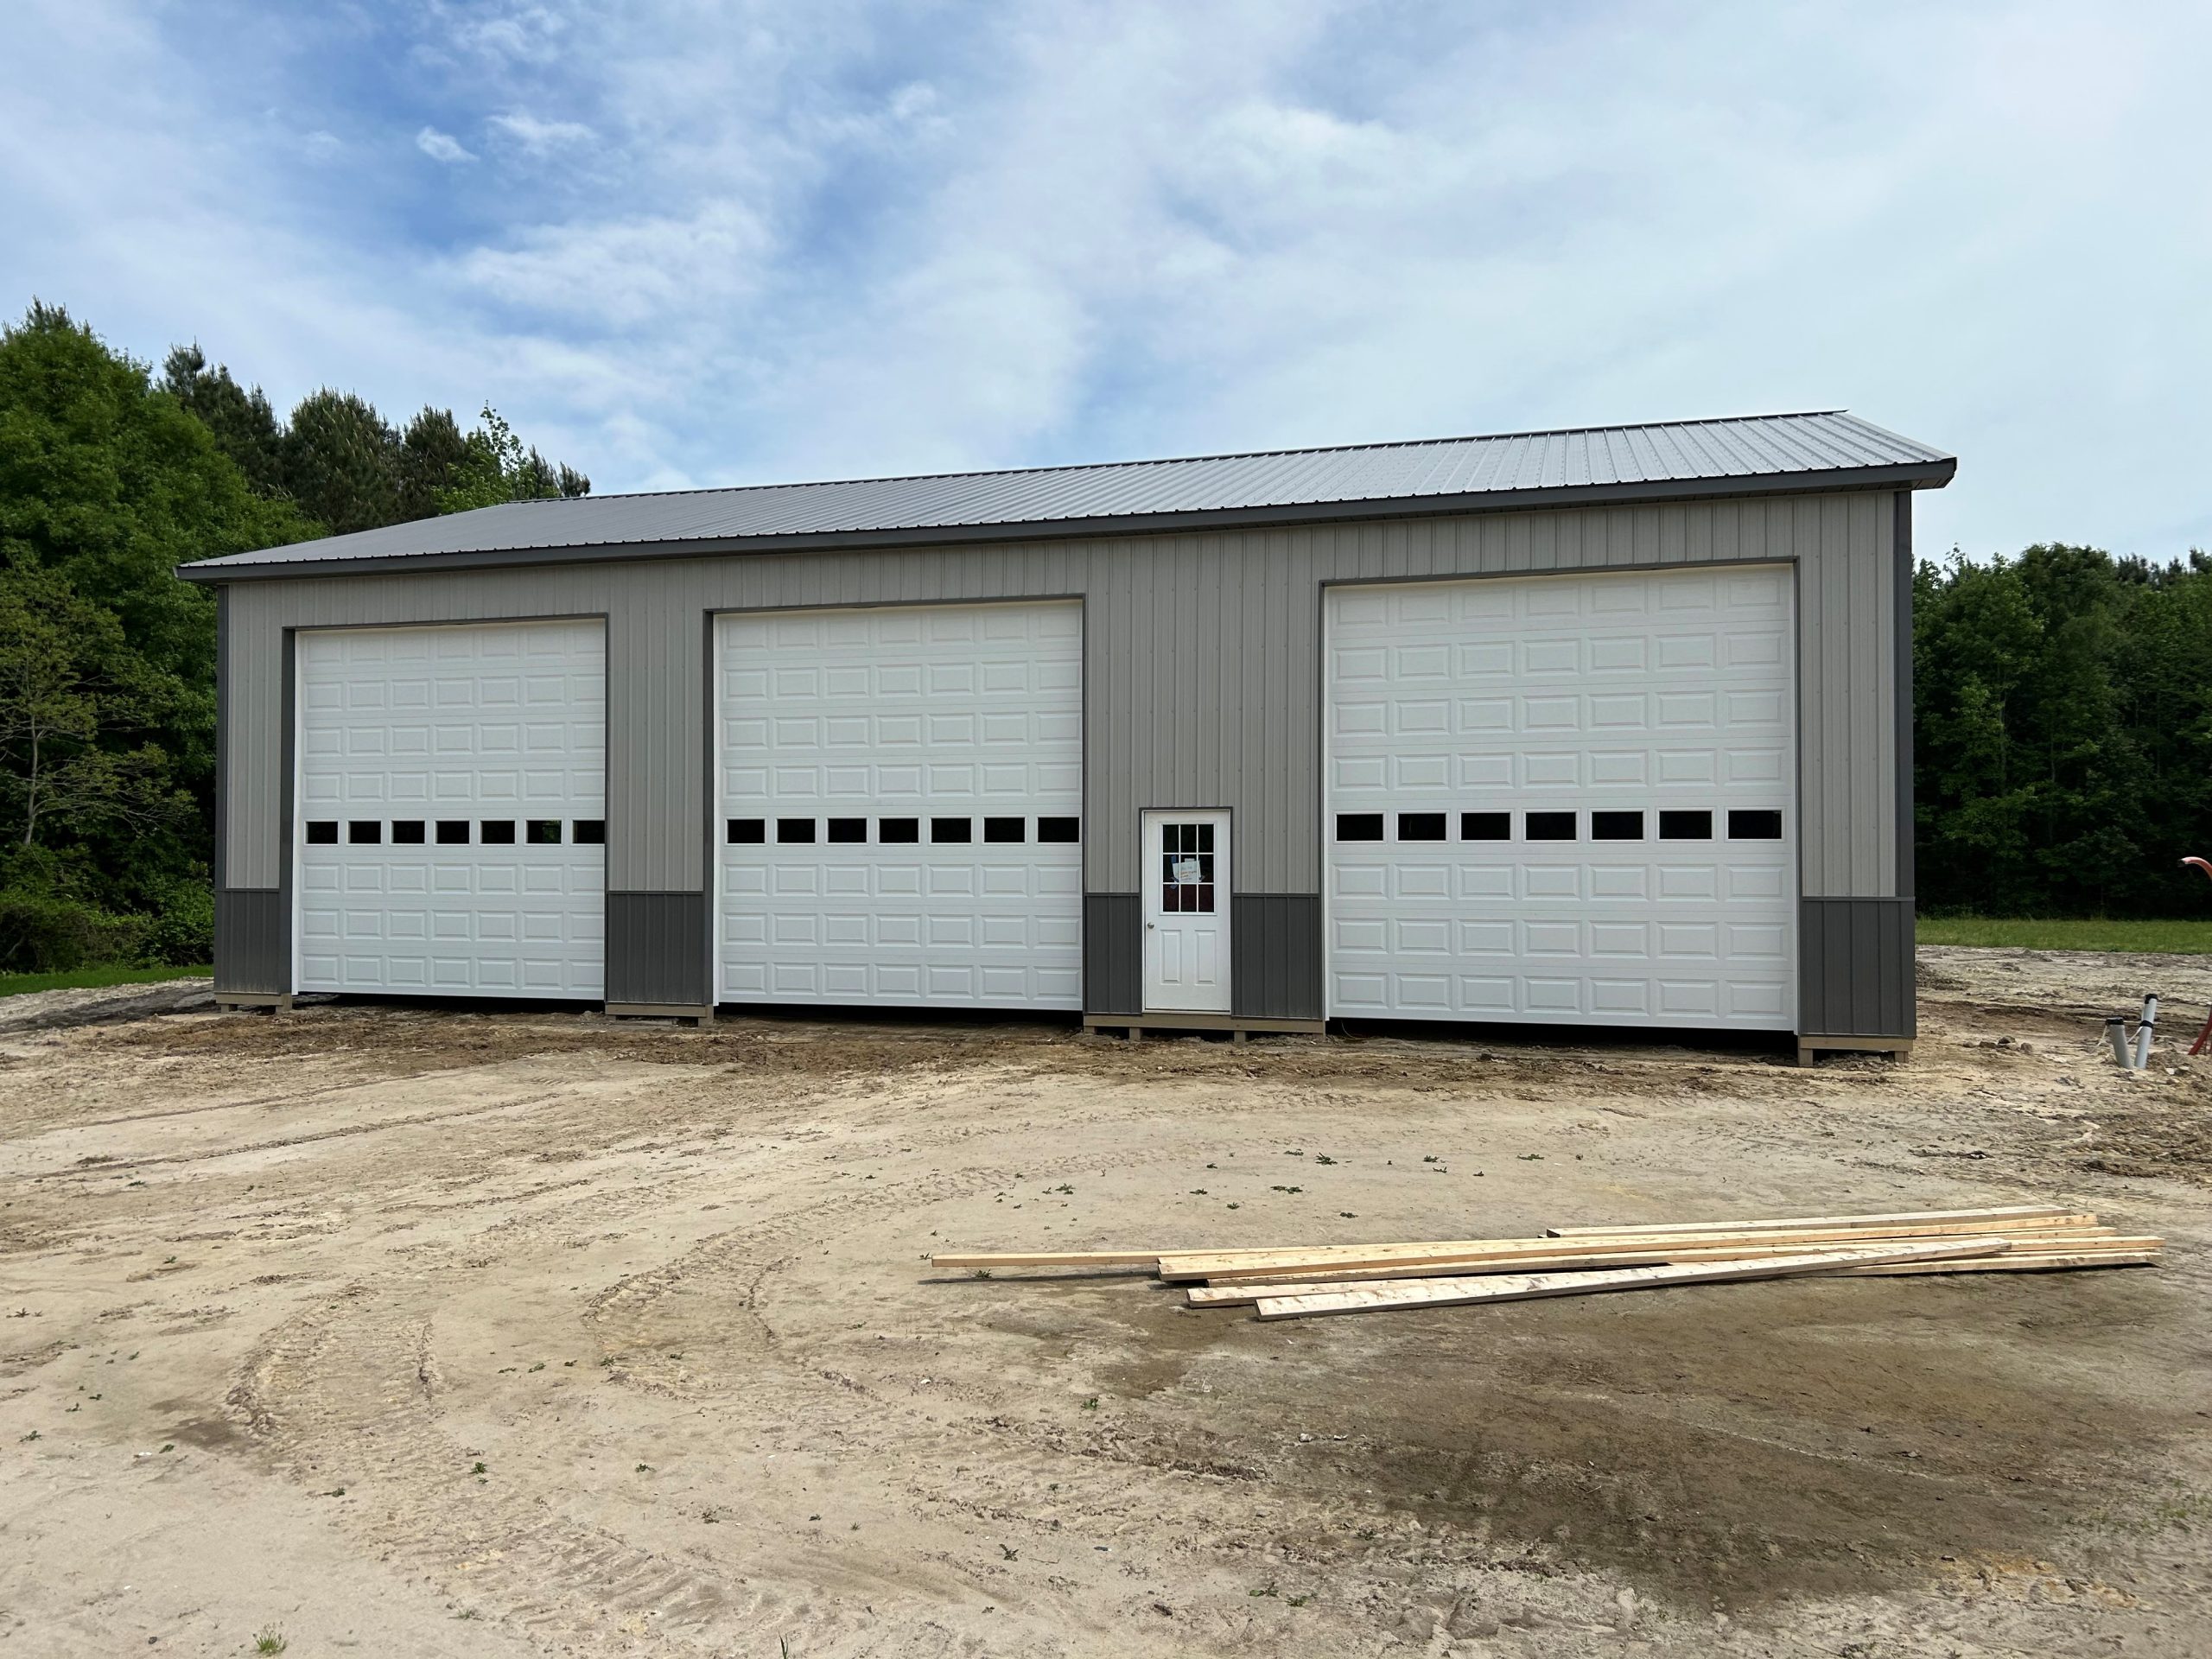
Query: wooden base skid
pixel 1238 1027
pixel 697 1013
pixel 275 1002
pixel 1899 1049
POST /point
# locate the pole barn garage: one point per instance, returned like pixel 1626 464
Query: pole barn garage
pixel 1608 726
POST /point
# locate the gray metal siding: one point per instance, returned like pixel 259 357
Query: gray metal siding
pixel 1113 968
pixel 657 948
pixel 1202 654
pixel 1855 968
pixel 1276 955
pixel 222 726
pixel 1901 699
pixel 253 940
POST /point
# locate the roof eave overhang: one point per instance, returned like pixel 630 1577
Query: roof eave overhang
pixel 1912 475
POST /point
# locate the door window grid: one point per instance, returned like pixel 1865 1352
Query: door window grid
pixel 950 832
pixel 1606 824
pixel 1186 854
pixel 460 832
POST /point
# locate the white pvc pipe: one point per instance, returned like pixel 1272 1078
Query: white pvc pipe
pixel 2144 1031
pixel 2116 1034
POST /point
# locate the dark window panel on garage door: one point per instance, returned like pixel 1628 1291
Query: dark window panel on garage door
pixel 1754 824
pixel 408 832
pixel 1485 826
pixel 322 832
pixel 588 832
pixel 365 832
pixel 745 832
pixel 1005 830
pixel 1421 826
pixel 543 832
pixel 898 831
pixel 797 831
pixel 1359 826
pixel 452 832
pixel 1549 826
pixel 1686 825
pixel 953 829
pixel 1059 829
pixel 845 832
pixel 496 832
pixel 1616 826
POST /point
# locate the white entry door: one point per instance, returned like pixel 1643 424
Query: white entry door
pixel 1186 912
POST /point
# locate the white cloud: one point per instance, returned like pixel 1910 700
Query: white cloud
pixel 525 132
pixel 624 273
pixel 442 146
pixel 785 241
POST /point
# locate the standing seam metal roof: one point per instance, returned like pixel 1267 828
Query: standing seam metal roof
pixel 1432 474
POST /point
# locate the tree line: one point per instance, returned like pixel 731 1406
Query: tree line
pixel 2063 734
pixel 111 476
pixel 2062 698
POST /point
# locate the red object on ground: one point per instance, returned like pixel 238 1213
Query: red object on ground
pixel 2204 1036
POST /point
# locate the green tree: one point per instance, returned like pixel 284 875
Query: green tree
pixel 342 462
pixel 2063 733
pixel 241 421
pixel 431 452
pixel 499 468
pixel 79 712
pixel 106 485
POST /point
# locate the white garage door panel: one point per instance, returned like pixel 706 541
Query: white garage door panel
pixel 1648 692
pixel 924 712
pixel 500 722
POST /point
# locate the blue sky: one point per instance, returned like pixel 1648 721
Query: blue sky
pixel 685 243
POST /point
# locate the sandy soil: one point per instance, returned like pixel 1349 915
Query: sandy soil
pixel 429 1333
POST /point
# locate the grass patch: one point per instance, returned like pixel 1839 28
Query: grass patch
pixel 84 979
pixel 2160 938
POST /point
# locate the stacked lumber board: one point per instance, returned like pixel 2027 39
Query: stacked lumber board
pixel 1303 1281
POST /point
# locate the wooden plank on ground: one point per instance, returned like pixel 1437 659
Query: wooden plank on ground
pixel 1219 1264
pixel 1703 1250
pixel 2041 1262
pixel 2004 1215
pixel 989 1262
pixel 1231 1291
pixel 1528 1287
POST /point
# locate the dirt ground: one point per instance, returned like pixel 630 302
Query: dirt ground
pixel 429 1333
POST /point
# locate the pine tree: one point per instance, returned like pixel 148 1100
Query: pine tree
pixel 433 448
pixel 342 462
pixel 244 425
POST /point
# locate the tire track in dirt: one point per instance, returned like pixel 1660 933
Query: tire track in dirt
pixel 283 1142
pixel 353 1382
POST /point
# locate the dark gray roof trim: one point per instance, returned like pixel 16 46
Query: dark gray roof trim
pixel 1751 456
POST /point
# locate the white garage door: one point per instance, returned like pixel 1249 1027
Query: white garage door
pixel 902 799
pixel 1565 800
pixel 451 810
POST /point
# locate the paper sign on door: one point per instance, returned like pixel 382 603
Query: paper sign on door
pixel 1186 871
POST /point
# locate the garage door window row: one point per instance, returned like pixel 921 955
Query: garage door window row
pixel 459 832
pixel 753 832
pixel 1743 823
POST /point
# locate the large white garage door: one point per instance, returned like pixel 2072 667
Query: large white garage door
pixel 1564 799
pixel 451 814
pixel 901 806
